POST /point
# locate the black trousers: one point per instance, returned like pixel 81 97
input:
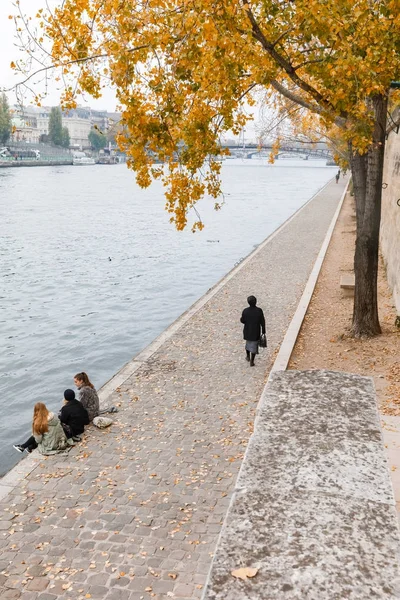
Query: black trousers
pixel 30 444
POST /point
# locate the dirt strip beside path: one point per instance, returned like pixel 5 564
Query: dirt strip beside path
pixel 324 342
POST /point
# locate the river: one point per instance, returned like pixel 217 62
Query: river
pixel 92 271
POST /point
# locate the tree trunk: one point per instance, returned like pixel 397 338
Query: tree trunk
pixel 368 208
pixel 358 165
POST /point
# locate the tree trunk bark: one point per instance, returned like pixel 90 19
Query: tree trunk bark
pixel 368 209
pixel 358 165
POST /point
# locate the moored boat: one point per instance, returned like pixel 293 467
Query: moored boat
pixel 81 159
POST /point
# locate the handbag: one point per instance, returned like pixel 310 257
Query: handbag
pixel 263 341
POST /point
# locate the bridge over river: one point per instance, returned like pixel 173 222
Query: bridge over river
pixel 296 148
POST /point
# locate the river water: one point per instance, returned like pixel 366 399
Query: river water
pixel 92 271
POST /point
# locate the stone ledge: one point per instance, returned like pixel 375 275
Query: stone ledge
pixel 348 281
pixel 313 508
pixel 306 546
pixel 347 284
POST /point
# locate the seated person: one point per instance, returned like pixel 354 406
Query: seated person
pixel 48 434
pixel 87 394
pixel 73 416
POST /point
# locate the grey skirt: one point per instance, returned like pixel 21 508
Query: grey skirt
pixel 252 347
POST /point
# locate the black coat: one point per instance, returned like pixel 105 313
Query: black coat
pixel 75 416
pixel 254 323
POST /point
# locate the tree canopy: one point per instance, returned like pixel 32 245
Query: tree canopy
pixel 55 126
pixel 183 71
pixel 97 139
pixel 58 135
pixel 65 138
pixel 5 120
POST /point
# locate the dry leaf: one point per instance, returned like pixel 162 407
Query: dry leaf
pixel 244 573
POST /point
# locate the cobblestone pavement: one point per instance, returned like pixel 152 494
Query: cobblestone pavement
pixel 134 511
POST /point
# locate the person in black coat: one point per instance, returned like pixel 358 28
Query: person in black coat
pixel 73 416
pixel 254 324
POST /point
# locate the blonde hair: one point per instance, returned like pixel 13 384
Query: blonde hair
pixel 40 419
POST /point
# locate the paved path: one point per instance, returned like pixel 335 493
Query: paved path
pixel 134 512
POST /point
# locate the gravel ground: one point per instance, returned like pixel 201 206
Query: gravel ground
pixel 324 341
pixel 134 512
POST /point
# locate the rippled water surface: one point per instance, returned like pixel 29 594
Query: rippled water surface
pixel 92 271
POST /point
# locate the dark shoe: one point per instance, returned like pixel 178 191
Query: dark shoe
pixel 248 358
pixel 252 363
pixel 19 448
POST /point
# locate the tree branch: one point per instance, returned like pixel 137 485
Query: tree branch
pixel 325 105
pixel 280 37
pixel 71 62
pixel 340 121
pixel 308 62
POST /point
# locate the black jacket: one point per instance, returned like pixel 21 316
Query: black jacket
pixel 254 321
pixel 75 416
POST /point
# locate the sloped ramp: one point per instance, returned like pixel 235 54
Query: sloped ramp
pixel 313 511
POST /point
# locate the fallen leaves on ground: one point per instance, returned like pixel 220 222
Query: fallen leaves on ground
pixel 244 573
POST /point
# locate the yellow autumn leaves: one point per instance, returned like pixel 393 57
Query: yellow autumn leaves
pixel 183 72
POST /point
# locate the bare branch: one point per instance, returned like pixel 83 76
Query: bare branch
pixel 69 63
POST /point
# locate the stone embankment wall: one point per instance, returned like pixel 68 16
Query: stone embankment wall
pixel 34 163
pixel 390 227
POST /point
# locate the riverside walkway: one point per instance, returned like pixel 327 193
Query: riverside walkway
pixel 134 512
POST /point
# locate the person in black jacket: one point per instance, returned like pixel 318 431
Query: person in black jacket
pixel 73 416
pixel 254 324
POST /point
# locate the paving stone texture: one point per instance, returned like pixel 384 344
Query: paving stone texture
pixel 134 512
pixel 313 510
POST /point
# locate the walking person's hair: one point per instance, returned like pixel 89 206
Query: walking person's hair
pixel 252 300
pixel 40 419
pixel 84 378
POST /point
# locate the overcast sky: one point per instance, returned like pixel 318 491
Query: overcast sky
pixel 9 52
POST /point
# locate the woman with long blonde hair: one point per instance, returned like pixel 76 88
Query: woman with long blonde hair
pixel 48 434
pixel 40 424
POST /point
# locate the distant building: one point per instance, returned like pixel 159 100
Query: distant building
pixel 32 122
pixel 78 128
pixel 24 126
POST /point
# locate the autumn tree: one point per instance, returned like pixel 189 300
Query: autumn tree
pixel 184 70
pixel 5 120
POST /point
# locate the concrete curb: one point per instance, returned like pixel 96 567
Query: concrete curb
pixel 18 473
pixel 289 341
